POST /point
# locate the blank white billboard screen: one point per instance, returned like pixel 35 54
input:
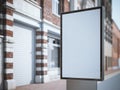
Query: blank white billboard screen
pixel 81 44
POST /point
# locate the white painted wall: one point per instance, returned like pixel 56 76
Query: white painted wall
pixel 107 49
pixel 26 20
pixel 53 74
pixel 27 12
pixel 51 27
pixel 28 8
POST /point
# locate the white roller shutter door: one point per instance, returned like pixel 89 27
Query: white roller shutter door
pixel 24 48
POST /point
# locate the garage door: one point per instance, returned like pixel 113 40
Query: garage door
pixel 24 63
pixel 1 64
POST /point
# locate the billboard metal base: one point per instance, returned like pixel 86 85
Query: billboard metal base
pixel 81 85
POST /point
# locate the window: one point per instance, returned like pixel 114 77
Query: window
pixel 53 53
pixel 108 63
pixel 56 7
pixel 108 35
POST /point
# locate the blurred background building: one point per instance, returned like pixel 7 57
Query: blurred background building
pixel 30 30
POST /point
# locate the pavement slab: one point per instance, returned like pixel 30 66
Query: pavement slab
pixel 54 85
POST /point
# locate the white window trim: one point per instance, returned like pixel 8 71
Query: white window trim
pixel 55 7
pixel 53 45
pixel 34 1
pixel 52 69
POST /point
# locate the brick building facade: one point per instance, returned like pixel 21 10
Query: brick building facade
pixel 115 46
pixel 30 31
pixel 30 34
pixel 108 34
pixel 7 33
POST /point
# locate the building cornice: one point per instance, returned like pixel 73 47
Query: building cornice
pixel 19 12
pixel 51 24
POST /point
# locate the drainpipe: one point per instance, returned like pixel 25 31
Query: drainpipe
pixel 42 7
pixel 3 11
pixel 1 42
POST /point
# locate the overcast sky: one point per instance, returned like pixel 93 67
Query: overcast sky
pixel 116 12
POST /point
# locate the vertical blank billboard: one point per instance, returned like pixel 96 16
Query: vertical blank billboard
pixel 81 44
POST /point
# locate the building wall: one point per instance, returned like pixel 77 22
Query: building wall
pixel 66 5
pixel 115 45
pixel 44 20
pixel 48 14
pixel 33 19
pixel 107 36
pixel 18 11
pixel 82 4
pixel 51 24
pixel 7 32
pixel 27 7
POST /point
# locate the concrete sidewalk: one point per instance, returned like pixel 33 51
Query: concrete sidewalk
pixel 55 85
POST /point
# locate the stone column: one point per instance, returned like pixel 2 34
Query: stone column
pixel 41 56
pixel 8 44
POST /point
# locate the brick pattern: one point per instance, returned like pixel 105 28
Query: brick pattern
pixel 41 33
pixel 41 73
pixel 9 11
pixel 41 56
pixel 10 1
pixel 9 65
pixel 115 44
pixel 9 22
pixel 9 76
pixel 8 54
pixel 8 33
pixel 41 41
pixel 108 35
pixel 47 13
pixel 47 10
pixel 66 6
pixel 41 64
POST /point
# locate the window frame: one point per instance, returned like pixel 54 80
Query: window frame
pixel 57 45
pixel 34 1
pixel 56 7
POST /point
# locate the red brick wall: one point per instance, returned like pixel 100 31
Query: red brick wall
pixel 39 1
pixel 47 13
pixel 115 44
pixel 66 6
pixel 47 10
pixel 115 51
